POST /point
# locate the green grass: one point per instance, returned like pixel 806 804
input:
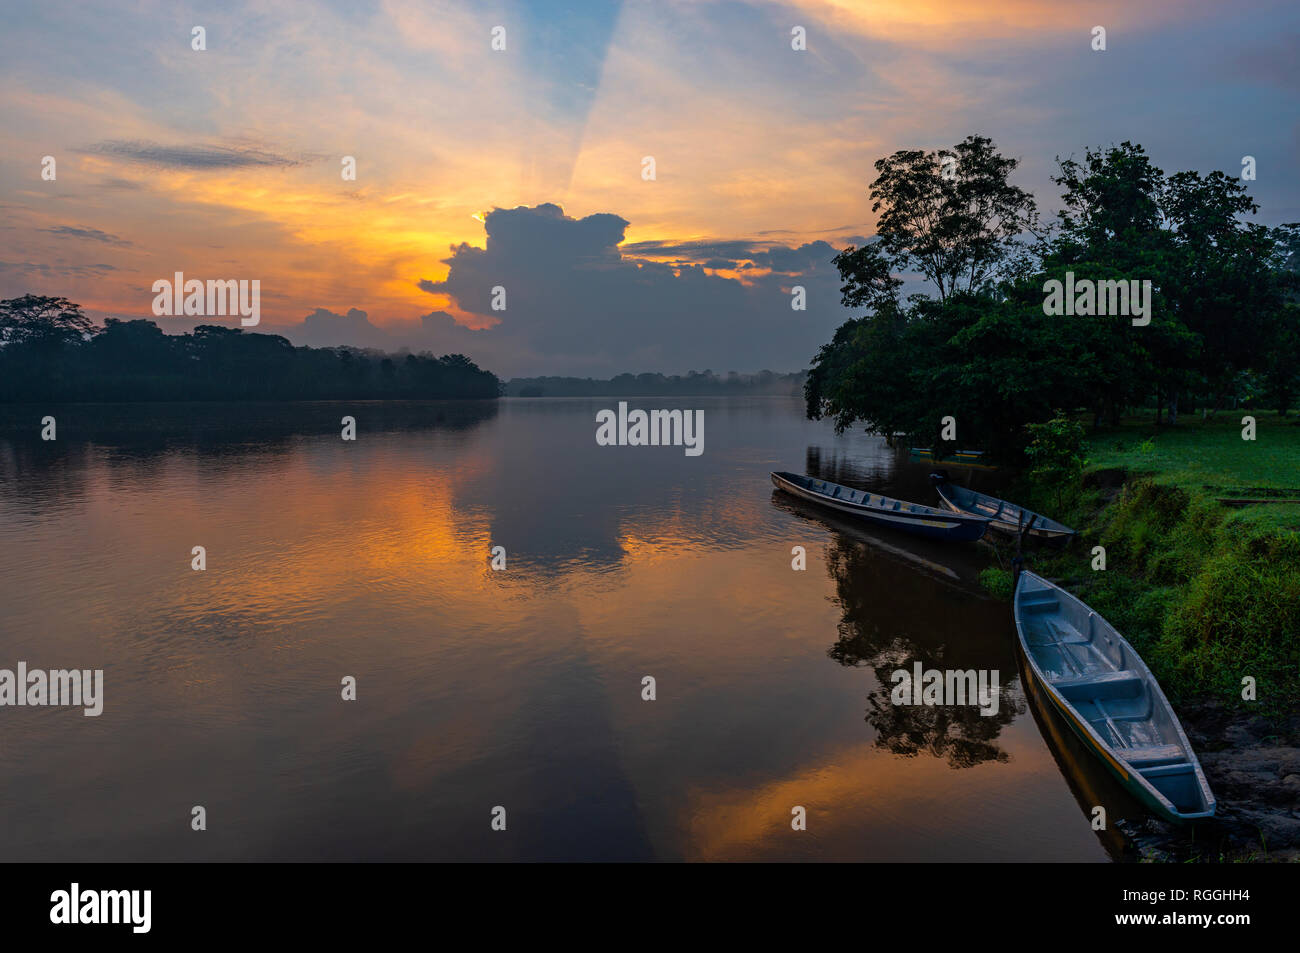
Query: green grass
pixel 998 582
pixel 1207 453
pixel 1207 594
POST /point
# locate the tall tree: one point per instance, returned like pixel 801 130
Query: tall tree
pixel 1223 286
pixel 37 320
pixel 1224 305
pixel 949 214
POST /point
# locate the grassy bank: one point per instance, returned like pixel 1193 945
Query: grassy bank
pixel 1208 594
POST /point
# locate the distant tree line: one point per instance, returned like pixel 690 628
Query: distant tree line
pixel 693 384
pixel 1225 314
pixel 50 350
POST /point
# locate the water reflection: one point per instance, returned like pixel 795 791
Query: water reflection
pixel 1091 786
pixel 476 687
pixel 878 468
pixel 137 442
pixel 862 561
pixel 901 606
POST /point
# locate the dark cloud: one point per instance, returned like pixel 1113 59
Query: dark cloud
pixel 90 234
pixel 436 321
pixel 436 331
pixel 810 258
pixel 691 250
pixel 579 301
pixel 843 230
pixel 729 254
pixel 28 268
pixel 192 156
pixel 325 328
pixel 118 185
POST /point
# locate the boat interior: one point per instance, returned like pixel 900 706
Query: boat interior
pixel 1098 673
pixel 861 497
pixel 1004 514
pixel 996 509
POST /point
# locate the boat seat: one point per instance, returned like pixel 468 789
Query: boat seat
pixel 1154 755
pixel 1100 686
pixel 1043 601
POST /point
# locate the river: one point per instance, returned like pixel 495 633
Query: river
pixel 477 689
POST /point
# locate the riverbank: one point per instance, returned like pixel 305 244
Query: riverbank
pixel 1253 766
pixel 1209 593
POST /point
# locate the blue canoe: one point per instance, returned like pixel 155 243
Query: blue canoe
pixel 1109 697
pixel 1004 517
pixel 897 514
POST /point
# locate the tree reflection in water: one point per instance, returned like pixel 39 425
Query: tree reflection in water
pixel 896 615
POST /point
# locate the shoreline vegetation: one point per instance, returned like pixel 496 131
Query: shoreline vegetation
pixel 1209 595
pixel 1205 590
pixel 1209 354
pixel 693 384
pixel 51 351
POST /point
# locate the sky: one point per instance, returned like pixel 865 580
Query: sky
pixel 523 168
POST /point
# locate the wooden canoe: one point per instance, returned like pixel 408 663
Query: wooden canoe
pixel 883 511
pixel 1003 516
pixel 1109 697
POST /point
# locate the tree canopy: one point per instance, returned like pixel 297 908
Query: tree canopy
pixel 1224 306
pixel 49 350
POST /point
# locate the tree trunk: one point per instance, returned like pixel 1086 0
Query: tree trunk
pixel 1173 407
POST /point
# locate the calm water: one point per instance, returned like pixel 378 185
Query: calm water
pixel 478 688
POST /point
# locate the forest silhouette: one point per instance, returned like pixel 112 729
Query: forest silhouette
pixel 50 350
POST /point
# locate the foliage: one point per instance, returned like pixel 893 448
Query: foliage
pixel 949 215
pixel 51 351
pixel 1225 314
pixel 1055 452
pixel 998 582
pixel 694 383
pixel 42 323
pixel 1207 594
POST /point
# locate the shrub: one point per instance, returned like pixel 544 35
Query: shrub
pixel 1206 597
pixel 1055 452
pixel 999 582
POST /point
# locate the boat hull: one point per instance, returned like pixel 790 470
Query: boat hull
pixel 1114 692
pixel 1115 767
pixel 1041 528
pixel 915 519
pixel 1013 529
